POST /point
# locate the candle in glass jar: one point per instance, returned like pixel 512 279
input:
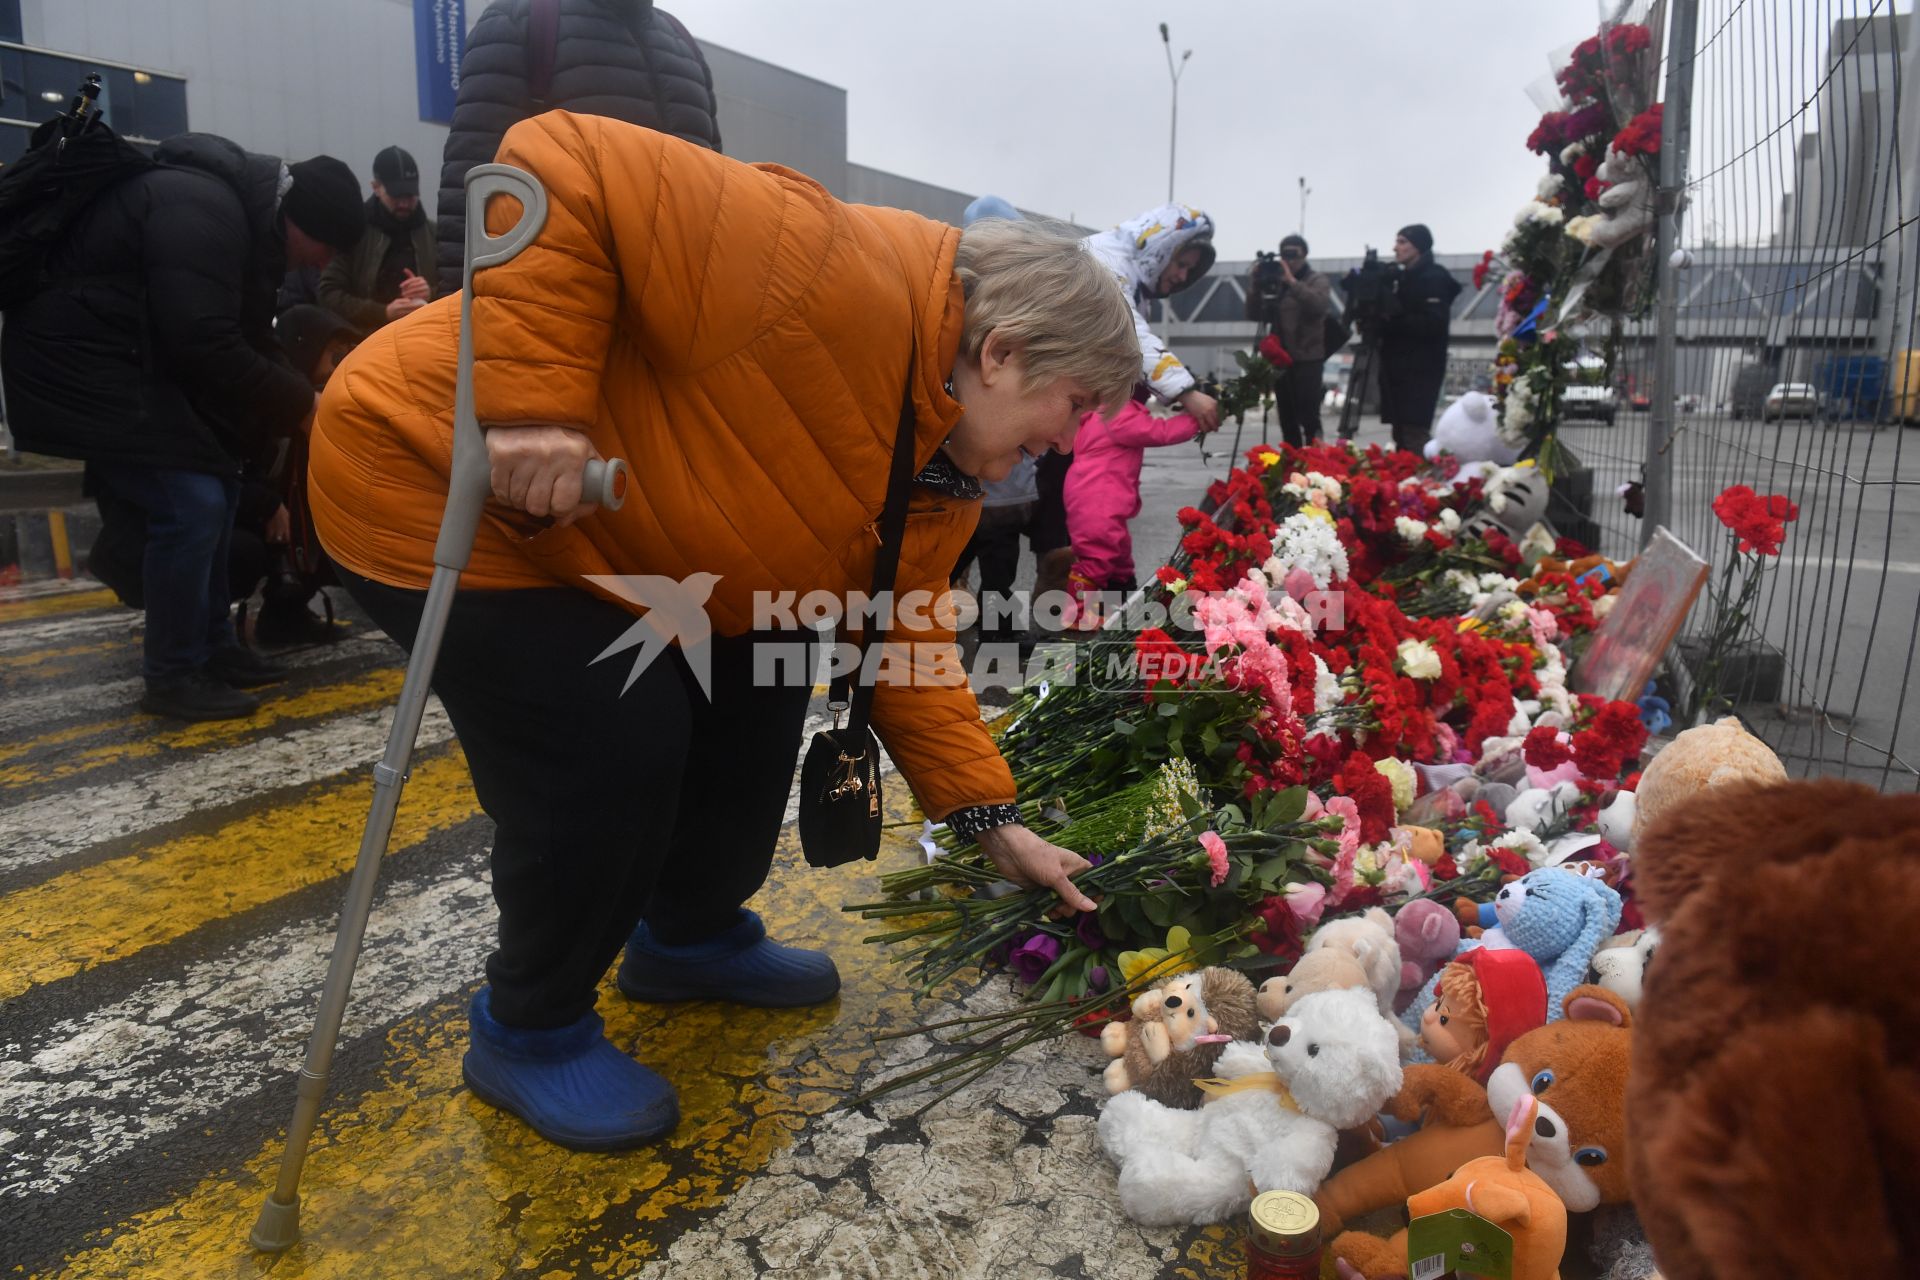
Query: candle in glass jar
pixel 1284 1240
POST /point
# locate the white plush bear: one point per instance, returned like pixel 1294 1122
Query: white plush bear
pixel 1470 431
pixel 1337 1062
pixel 1369 939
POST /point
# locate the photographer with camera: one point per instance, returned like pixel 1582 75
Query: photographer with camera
pixel 1294 300
pixel 1413 335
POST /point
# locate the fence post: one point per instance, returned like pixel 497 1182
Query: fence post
pixel 1676 135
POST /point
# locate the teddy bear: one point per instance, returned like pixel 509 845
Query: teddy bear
pixel 1775 1094
pixel 1368 938
pixel 1177 1033
pixel 1327 969
pixel 1500 1188
pixel 1620 965
pixel 1707 755
pixel 1271 1120
pixel 1576 1066
pixel 1470 431
pixel 1428 935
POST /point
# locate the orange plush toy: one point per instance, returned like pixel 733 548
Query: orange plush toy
pixel 1577 1070
pixel 1775 1100
pixel 1500 1189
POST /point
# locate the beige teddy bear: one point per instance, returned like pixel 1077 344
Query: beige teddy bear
pixel 1368 938
pixel 1324 970
pixel 1707 755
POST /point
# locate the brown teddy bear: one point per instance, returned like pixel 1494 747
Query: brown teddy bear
pixel 1178 1031
pixel 1329 969
pixel 1576 1067
pixel 1707 755
pixel 1775 1095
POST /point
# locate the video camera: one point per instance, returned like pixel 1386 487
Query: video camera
pixel 1265 280
pixel 1368 290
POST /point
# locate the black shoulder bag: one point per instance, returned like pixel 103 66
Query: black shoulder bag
pixel 840 778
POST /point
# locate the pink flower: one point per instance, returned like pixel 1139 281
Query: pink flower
pixel 1344 808
pixel 1299 583
pixel 1307 901
pixel 1546 629
pixel 1216 858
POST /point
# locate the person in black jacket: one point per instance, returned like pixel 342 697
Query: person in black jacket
pixel 150 355
pixel 624 59
pixel 1413 338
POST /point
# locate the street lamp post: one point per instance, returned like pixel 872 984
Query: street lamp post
pixel 1173 131
pixel 1305 191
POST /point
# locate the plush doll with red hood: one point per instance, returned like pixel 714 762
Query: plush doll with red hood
pixel 1485 1001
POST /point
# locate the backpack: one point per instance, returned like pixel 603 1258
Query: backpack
pixel 70 161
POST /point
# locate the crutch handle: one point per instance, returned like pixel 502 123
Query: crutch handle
pixel 605 482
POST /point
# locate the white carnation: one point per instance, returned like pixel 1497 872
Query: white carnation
pixel 1419 659
pixel 1302 542
pixel 1409 529
pixel 1326 686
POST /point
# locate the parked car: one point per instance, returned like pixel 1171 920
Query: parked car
pixel 1640 400
pixel 1585 401
pixel 1688 404
pixel 1791 400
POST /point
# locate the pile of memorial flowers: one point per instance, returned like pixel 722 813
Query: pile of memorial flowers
pixel 1336 644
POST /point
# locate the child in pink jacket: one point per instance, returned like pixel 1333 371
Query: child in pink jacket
pixel 1103 491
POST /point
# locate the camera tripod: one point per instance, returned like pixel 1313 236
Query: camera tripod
pixel 1362 374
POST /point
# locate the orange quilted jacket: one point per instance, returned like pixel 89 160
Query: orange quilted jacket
pixel 743 340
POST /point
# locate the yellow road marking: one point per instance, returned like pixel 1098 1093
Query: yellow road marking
pixel 62 544
pixel 112 910
pixel 65 602
pixel 417 1178
pixel 40 657
pixel 369 690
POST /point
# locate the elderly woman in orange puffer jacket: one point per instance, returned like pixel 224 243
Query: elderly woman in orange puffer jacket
pixel 744 341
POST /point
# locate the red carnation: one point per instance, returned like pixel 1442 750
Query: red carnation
pixel 1370 790
pixel 1509 862
pixel 1641 137
pixel 1611 742
pixel 1544 750
pixel 1275 353
pixel 1760 523
pixel 1481 268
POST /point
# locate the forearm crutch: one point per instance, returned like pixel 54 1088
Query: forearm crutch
pixel 278 1226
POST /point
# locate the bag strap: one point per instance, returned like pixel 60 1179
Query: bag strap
pixel 543 40
pixel 886 561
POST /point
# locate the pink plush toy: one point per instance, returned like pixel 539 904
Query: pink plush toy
pixel 1428 934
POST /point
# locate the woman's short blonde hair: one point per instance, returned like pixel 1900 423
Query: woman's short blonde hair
pixel 1036 284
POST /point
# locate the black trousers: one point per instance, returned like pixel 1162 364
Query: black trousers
pixel 609 806
pixel 1297 392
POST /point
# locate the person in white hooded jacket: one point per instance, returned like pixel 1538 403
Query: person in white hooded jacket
pixel 1155 255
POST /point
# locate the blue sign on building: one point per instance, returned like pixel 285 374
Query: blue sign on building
pixel 439 38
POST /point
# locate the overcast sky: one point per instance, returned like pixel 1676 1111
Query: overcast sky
pixel 1395 111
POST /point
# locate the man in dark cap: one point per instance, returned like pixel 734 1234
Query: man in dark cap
pixel 150 354
pixel 386 275
pixel 1413 338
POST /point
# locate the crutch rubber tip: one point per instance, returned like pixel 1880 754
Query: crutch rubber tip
pixel 278 1227
pixel 605 483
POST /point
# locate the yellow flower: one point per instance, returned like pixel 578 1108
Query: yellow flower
pixel 1317 513
pixel 1401 775
pixel 1267 457
pixel 1156 962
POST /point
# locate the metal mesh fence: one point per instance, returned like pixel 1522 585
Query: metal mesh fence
pixel 1793 362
